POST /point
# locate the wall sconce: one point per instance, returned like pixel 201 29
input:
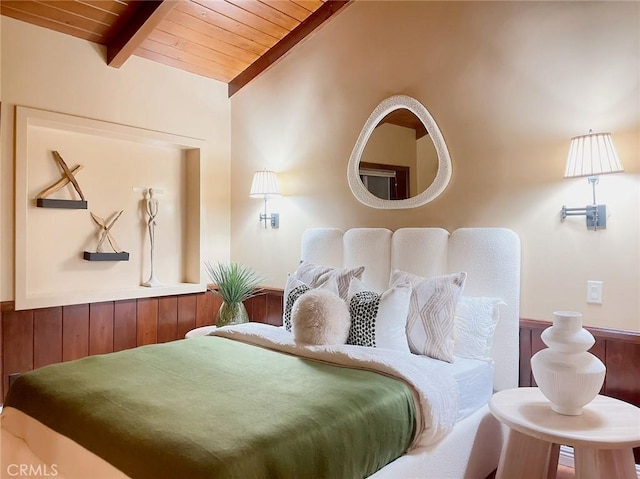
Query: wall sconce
pixel 265 186
pixel 591 155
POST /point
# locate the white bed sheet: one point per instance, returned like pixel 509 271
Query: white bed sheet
pixel 474 378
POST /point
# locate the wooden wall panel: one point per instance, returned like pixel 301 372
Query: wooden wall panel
pixel 257 308
pixel 274 309
pixel 124 324
pixel 47 336
pixel 187 311
pixel 167 319
pixel 536 345
pixel 17 336
pixel 75 331
pixel 623 357
pixel 266 307
pixel 599 350
pixel 525 355
pixel 147 328
pixel 206 309
pixel 101 328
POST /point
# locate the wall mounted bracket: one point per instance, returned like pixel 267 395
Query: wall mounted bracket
pixel 596 215
pixel 274 218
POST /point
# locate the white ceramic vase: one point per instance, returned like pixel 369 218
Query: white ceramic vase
pixel 568 375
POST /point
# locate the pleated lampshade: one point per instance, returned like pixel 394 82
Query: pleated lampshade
pixel 592 155
pixel 264 185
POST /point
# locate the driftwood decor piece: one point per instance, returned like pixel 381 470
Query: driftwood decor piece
pixel 69 177
pixel 105 234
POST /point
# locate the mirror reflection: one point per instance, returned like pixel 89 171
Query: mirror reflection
pixel 399 160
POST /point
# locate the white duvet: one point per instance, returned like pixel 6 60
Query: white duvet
pixel 434 388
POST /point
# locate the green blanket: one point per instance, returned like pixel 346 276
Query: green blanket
pixel 213 407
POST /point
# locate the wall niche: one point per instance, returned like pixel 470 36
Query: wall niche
pixel 118 163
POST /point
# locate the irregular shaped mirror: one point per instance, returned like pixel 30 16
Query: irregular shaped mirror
pixel 400 159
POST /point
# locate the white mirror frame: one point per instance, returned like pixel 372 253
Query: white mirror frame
pixel 443 175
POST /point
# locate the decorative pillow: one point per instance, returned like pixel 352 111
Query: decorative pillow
pixel 432 312
pixel 475 322
pixel 314 275
pixel 296 288
pixel 379 320
pixel 320 317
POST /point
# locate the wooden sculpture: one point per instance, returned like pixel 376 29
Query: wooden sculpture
pixel 69 177
pixel 152 212
pixel 105 234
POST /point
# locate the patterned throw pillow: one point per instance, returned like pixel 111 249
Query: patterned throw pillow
pixel 313 275
pixel 474 325
pixel 296 288
pixel 378 320
pixel 432 312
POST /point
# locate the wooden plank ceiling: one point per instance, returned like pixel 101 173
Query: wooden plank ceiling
pixel 228 40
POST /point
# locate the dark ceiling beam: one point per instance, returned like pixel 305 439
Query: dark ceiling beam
pixel 312 22
pixel 148 15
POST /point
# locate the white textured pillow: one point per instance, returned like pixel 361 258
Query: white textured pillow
pixel 320 317
pixel 475 322
pixel 314 275
pixel 431 312
pixel 296 288
pixel 379 320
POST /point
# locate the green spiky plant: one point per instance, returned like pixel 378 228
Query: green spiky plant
pixel 235 283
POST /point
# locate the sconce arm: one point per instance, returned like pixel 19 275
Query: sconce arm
pixel 273 218
pixel 596 215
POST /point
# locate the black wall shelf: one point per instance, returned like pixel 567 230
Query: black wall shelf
pixel 63 204
pixel 91 256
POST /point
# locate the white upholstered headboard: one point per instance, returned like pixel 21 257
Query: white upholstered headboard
pixel 490 256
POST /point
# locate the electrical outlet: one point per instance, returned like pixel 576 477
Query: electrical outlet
pixel 594 292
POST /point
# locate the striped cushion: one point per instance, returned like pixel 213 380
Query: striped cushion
pixel 430 324
pixel 314 275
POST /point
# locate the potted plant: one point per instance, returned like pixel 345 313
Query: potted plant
pixel 234 283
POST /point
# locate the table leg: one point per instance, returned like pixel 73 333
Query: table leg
pixel 524 457
pixel 552 461
pixel 604 463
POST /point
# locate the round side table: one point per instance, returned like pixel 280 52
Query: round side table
pixel 602 437
pixel 202 331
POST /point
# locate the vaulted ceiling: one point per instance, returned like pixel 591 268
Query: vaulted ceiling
pixel 228 40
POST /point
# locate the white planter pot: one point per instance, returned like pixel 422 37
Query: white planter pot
pixel 568 375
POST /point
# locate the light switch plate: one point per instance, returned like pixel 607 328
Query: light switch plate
pixel 594 292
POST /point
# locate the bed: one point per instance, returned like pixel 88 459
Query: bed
pixel 369 412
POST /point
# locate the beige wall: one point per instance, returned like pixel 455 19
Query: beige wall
pixel 50 71
pixel 509 83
